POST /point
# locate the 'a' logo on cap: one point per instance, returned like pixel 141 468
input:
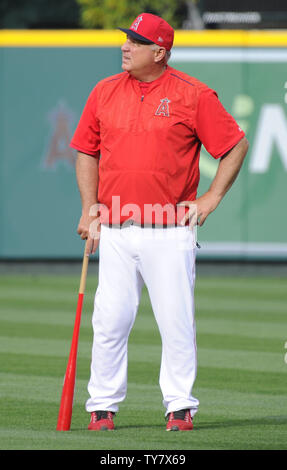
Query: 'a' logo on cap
pixel 136 23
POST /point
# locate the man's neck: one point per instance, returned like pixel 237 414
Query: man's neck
pixel 149 76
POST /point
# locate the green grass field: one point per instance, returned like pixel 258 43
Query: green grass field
pixel 241 381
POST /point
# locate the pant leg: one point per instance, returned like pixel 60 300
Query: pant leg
pixel 168 269
pixel 116 303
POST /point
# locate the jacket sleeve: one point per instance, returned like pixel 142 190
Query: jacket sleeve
pixel 86 138
pixel 215 127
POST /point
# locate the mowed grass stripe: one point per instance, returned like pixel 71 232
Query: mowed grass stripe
pixel 44 347
pixel 238 380
pixel 54 347
pixel 209 301
pixel 41 365
pixel 48 390
pixel 47 325
pixel 232 319
pixel 238 342
pixel 45 331
pixel 45 281
pixel 238 315
pixel 64 303
pixel 29 302
pixel 59 325
pixel 142 335
pixel 233 379
pixel 46 317
pixel 246 360
pixel 55 282
pixel 268 285
pixel 242 360
pixel 259 329
pixel 263 289
pixel 232 304
pixel 143 372
pixel 258 337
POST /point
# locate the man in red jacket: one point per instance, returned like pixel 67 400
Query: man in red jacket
pixel 138 142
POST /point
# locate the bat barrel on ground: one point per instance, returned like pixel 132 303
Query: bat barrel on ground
pixel 66 404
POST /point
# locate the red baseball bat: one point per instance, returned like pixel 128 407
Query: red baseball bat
pixel 66 405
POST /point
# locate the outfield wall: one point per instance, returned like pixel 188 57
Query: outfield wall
pixel 46 77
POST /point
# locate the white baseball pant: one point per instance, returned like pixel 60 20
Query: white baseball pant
pixel 164 260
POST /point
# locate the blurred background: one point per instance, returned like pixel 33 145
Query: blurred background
pixel 52 55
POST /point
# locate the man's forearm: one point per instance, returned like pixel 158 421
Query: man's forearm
pixel 87 172
pixel 228 169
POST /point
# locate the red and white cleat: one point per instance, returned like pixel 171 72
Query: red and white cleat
pixel 179 421
pixel 101 421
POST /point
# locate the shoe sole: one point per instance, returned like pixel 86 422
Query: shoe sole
pixel 176 428
pixel 102 428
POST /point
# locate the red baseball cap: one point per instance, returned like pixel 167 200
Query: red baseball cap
pixel 151 29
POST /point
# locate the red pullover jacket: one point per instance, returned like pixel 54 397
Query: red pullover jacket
pixel 149 146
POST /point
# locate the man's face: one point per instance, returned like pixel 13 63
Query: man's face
pixel 136 56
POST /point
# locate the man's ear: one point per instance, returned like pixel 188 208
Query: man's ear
pixel 160 54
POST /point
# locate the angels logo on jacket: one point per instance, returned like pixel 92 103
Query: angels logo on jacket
pixel 163 109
